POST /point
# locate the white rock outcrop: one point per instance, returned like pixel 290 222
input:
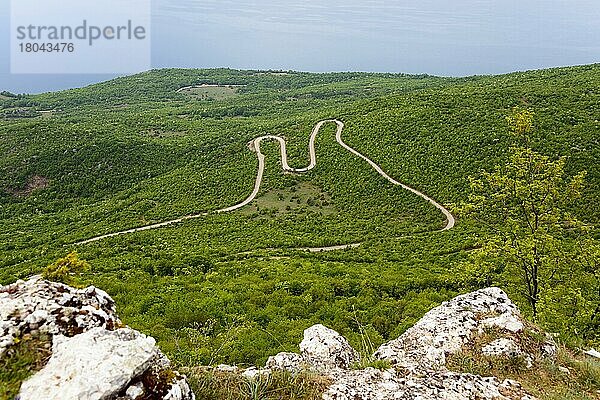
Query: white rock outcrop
pixel 501 347
pixel 418 357
pixel 507 321
pixel 97 364
pixel 38 306
pixel 286 361
pixel 373 384
pixel 592 353
pixel 321 349
pixel 324 348
pixel 93 356
pixel 447 328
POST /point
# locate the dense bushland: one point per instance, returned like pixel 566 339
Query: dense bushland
pixel 231 288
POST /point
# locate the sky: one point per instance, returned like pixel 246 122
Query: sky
pixel 438 37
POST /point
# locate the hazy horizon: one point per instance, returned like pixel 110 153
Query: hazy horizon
pixel 463 38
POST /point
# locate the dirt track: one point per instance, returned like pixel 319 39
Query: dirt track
pixel 255 146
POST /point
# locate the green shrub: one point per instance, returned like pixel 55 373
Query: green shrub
pixel 66 269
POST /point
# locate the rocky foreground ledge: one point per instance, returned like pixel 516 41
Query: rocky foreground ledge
pixel 94 356
pixel 417 359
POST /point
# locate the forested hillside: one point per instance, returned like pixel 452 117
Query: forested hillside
pixel 234 287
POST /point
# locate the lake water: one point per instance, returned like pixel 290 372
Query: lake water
pixel 441 37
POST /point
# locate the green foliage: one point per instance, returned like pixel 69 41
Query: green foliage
pixel 521 124
pixel 6 95
pixel 241 312
pixel 231 288
pixel 572 304
pixel 66 269
pixel 524 204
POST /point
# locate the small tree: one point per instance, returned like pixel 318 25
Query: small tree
pixel 524 205
pixel 590 259
pixel 65 269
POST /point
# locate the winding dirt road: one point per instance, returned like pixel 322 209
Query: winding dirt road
pixel 255 147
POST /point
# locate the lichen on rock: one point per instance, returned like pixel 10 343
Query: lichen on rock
pixel 38 306
pixel 93 355
pixel 93 365
pixel 324 348
pixel 419 355
pixel 447 328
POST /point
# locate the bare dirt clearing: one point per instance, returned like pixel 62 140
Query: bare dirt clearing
pixel 36 182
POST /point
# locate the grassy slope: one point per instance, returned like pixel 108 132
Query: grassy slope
pixel 131 151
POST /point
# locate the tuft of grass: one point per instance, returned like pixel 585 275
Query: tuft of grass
pixel 256 388
pixel 548 379
pixel 27 356
pixel 367 348
pixel 209 384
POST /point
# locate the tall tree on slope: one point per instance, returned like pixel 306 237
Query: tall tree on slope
pixel 524 206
